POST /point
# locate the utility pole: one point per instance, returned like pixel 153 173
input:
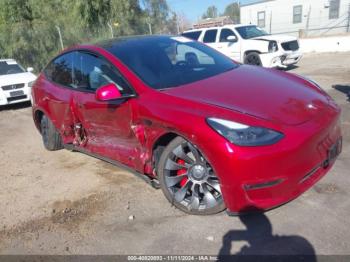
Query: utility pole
pixel 348 26
pixel 271 22
pixel 149 26
pixel 60 35
pixel 178 24
pixel 308 22
pixel 111 28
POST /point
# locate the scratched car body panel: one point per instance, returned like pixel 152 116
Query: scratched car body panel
pixel 211 133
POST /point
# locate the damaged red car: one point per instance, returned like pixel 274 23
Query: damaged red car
pixel 211 133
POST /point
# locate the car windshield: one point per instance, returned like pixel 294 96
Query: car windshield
pixel 164 62
pixel 250 31
pixel 10 67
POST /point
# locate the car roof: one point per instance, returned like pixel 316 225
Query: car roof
pixel 8 60
pixel 114 42
pixel 217 27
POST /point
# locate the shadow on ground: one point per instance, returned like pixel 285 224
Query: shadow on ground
pixel 263 245
pixel 16 106
pixel 291 67
pixel 344 89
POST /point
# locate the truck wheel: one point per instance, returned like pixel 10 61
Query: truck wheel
pixel 252 58
pixel 187 179
pixel 51 138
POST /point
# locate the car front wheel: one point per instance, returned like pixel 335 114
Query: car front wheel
pixel 187 179
pixel 253 58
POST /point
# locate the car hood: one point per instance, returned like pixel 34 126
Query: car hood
pixel 16 78
pixel 278 38
pixel 266 94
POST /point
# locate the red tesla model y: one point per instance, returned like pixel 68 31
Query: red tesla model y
pixel 213 134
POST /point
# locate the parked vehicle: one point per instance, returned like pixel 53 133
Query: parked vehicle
pixel 249 44
pixel 15 82
pixel 214 134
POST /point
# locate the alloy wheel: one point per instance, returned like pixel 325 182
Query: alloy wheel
pixel 190 179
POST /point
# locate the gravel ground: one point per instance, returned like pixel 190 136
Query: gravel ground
pixel 69 203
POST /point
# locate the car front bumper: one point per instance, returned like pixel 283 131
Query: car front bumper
pixel 15 96
pixel 280 59
pixel 264 177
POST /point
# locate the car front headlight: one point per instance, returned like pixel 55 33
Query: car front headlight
pixel 30 84
pixel 273 46
pixel 244 135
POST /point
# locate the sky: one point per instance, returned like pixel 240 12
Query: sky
pixel 193 9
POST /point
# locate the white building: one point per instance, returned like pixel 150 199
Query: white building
pixel 304 17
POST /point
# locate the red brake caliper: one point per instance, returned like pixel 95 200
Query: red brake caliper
pixel 181 172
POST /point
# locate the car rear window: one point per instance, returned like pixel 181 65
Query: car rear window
pixel 60 70
pixel 210 36
pixel 192 35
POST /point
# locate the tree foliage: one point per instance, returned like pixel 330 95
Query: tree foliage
pixel 29 28
pixel 212 12
pixel 233 11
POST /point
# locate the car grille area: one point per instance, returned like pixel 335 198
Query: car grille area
pixel 11 99
pixel 290 46
pixel 12 87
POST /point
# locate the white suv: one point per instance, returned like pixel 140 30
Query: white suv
pixel 249 44
pixel 15 82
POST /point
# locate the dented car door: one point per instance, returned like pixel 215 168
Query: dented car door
pixel 103 127
pixel 57 96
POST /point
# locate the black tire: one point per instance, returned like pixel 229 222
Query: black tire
pixel 51 138
pixel 253 58
pixel 201 197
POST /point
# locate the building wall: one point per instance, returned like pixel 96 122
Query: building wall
pixel 314 17
pixel 325 44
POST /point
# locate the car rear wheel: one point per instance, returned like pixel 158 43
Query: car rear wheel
pixel 253 58
pixel 187 179
pixel 51 138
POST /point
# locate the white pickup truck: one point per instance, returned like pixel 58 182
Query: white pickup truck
pixel 249 44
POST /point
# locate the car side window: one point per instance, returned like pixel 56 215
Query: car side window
pixel 92 72
pixel 60 70
pixel 225 33
pixel 210 36
pixel 192 35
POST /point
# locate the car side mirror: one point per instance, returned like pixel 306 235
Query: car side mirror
pixel 108 92
pixel 30 69
pixel 231 38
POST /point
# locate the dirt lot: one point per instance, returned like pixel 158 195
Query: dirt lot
pixel 68 203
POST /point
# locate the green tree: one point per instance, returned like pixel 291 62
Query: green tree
pixel 157 14
pixel 128 18
pixel 29 28
pixel 233 11
pixel 23 35
pixel 94 12
pixel 212 12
